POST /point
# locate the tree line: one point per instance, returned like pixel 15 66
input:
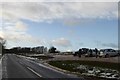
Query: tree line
pixel 22 51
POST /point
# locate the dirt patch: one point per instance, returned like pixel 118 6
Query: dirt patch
pixel 71 57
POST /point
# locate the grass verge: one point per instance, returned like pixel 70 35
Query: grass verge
pixel 42 57
pixel 66 64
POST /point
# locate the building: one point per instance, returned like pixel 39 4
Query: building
pixel 40 49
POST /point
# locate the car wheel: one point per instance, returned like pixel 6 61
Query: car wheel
pixel 106 56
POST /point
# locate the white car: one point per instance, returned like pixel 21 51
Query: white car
pixel 89 54
pixel 107 53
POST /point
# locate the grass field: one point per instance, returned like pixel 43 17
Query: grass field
pixel 89 67
pixel 59 64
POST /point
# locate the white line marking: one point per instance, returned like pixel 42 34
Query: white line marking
pixel 34 72
pixel 4 68
pixel 42 65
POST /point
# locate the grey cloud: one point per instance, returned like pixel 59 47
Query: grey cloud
pixel 112 45
pixel 58 10
pixel 62 42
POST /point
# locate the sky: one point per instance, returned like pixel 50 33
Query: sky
pixel 66 25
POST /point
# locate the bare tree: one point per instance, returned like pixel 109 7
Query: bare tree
pixel 52 49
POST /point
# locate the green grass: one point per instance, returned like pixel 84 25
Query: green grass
pixel 67 66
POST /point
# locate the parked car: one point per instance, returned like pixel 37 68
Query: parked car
pixel 84 50
pixel 118 51
pixel 108 53
pixel 81 51
pixel 91 53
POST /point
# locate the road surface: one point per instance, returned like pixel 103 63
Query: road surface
pixel 0 68
pixel 19 67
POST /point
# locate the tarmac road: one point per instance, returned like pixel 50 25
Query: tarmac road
pixel 19 67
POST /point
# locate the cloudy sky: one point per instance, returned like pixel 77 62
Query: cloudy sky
pixel 65 25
